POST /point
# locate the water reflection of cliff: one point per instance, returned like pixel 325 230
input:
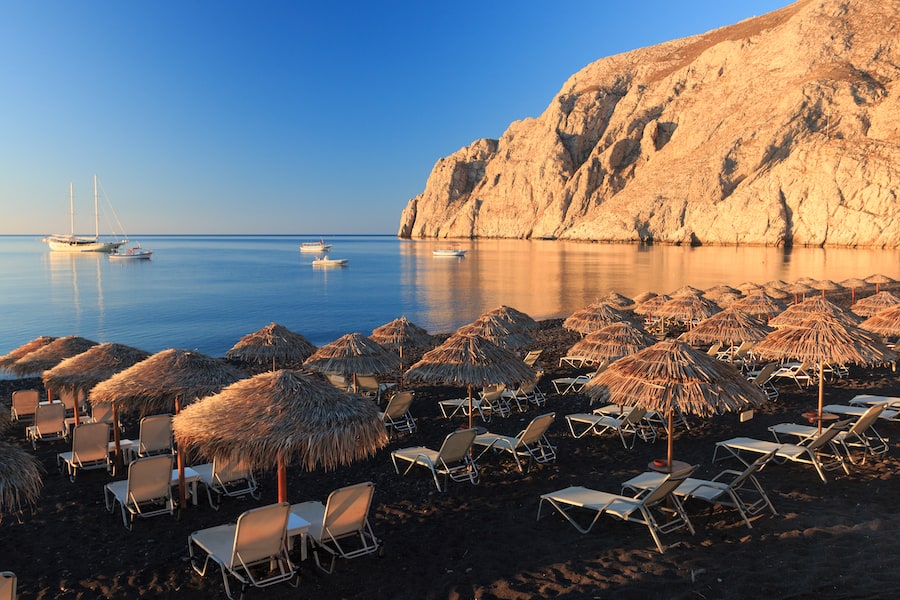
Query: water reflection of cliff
pixel 548 279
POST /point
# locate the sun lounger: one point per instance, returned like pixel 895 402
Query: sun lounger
pixel 225 478
pixel 531 443
pixel 24 403
pixel 453 460
pixel 822 452
pixel 565 385
pixel 630 424
pixel 90 449
pixel 856 412
pixel 861 434
pixel 253 550
pixel 49 423
pixel 340 527
pixel 396 415
pixel 738 489
pixel 656 507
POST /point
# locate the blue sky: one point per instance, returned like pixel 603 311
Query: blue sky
pixel 283 117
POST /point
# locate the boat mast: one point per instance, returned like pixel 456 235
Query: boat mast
pixel 96 211
pixel 71 211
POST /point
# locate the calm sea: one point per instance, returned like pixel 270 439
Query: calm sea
pixel 206 292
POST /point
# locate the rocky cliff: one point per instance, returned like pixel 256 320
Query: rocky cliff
pixel 782 129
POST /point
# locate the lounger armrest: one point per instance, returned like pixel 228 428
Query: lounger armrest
pixel 736 474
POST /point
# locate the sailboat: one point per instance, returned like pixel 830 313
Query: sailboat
pixel 62 242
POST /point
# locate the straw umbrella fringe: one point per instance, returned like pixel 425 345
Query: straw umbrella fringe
pixel 797 313
pixel 593 317
pixel 824 339
pixel 672 376
pixel 878 279
pixel 872 305
pixel 20 480
pixel 50 355
pixel 7 360
pixel 80 373
pixel 731 326
pixel 167 380
pixel 515 318
pixel 469 361
pixel 273 344
pixel 886 323
pixel 351 354
pixel 401 333
pixel 612 343
pixel 498 331
pixel 282 418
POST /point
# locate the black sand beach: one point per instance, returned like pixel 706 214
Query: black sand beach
pixel 834 540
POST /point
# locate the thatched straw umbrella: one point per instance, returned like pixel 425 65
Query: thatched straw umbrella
pixel 722 289
pixel 7 360
pixel 80 373
pixel 350 354
pixel 274 345
pixel 759 304
pixel 168 379
pixel 612 343
pixel 402 333
pixel 49 356
pixel 643 297
pixel 853 284
pixel 826 285
pixel 470 361
pixel 617 300
pixel 593 317
pixel 775 292
pixel 885 323
pixel 731 326
pixel 648 307
pixel 798 288
pixel 20 480
pixel 516 318
pixel 824 339
pixel 878 279
pixel 688 308
pixel 686 290
pixel 779 284
pixel 722 298
pixel 748 287
pixel 670 377
pixel 874 304
pixel 282 418
pixel 796 313
pixel 497 331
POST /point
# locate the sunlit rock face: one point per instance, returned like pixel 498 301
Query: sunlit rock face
pixel 783 129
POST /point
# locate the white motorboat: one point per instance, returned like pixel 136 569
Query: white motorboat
pixel 69 242
pixel 136 253
pixel 451 251
pixel 316 247
pixel 325 262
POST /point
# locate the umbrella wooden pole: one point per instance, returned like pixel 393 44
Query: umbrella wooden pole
pixel 470 407
pixel 821 391
pixel 118 463
pixel 282 480
pixel 669 440
pixel 179 454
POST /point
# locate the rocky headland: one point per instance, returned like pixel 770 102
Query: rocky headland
pixel 783 129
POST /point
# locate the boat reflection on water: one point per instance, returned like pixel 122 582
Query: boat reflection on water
pixel 82 273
